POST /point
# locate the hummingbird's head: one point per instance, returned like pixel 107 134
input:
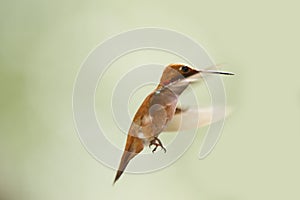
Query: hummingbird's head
pixel 177 72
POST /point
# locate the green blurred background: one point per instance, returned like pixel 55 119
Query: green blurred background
pixel 42 45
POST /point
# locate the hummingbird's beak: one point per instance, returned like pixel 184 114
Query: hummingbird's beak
pixel 201 73
pixel 215 72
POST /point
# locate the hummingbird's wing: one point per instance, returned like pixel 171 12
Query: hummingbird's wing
pixel 193 118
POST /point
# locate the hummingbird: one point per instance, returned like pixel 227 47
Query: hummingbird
pixel 158 109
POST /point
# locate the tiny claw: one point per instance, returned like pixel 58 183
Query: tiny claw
pixel 151 144
pixel 157 143
pixel 165 150
pixel 154 149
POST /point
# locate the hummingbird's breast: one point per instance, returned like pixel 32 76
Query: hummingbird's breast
pixel 154 114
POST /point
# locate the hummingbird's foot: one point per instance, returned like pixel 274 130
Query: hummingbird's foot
pixel 157 143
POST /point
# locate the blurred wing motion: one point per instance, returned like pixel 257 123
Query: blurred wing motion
pixel 193 118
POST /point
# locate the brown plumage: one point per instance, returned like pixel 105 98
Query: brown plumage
pixel 156 111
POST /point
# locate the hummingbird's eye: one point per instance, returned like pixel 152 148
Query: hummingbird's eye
pixel 184 69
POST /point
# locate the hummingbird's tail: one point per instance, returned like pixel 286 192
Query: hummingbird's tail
pixel 134 145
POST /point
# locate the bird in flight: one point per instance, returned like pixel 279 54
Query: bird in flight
pixel 158 110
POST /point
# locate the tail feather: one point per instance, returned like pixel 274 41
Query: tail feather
pixel 133 146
